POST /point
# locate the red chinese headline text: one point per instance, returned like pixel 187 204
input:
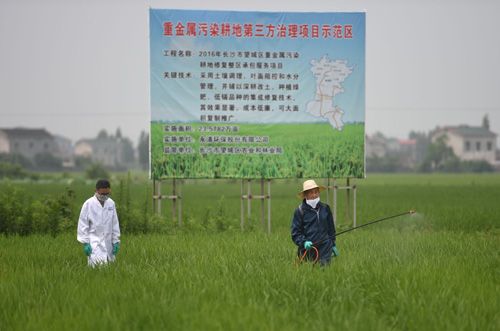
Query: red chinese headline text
pixel 249 30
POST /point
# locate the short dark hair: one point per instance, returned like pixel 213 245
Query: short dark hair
pixel 102 183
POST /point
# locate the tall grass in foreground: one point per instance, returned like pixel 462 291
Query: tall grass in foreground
pixel 382 280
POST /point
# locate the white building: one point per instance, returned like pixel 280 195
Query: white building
pixel 65 150
pixel 375 146
pixel 28 142
pixel 4 142
pixel 469 143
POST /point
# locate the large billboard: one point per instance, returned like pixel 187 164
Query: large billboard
pixel 257 94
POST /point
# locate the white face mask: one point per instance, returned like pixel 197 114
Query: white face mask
pixel 313 202
pixel 102 197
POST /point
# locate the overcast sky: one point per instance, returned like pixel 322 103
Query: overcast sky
pixel 76 67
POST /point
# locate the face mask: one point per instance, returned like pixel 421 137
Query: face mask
pixel 313 202
pixel 102 197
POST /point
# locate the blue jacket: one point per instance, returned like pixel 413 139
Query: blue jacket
pixel 314 225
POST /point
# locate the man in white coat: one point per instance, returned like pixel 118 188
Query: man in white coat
pixel 98 227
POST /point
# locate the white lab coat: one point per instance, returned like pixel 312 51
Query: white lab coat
pixel 98 225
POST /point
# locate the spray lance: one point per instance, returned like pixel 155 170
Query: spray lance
pixel 338 234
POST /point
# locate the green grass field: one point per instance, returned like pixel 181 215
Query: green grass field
pixel 436 270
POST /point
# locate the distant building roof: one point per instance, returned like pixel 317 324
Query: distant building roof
pixel 61 138
pixel 466 131
pixel 407 141
pixel 29 133
pixel 96 141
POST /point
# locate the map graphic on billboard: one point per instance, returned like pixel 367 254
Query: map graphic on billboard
pixel 257 94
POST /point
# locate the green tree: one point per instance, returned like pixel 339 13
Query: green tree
pixel 96 171
pixel 388 163
pixel 8 170
pixel 82 162
pixel 438 153
pixel 102 134
pixel 16 158
pixel 486 122
pixel 143 150
pixel 47 161
pixel 421 146
pixel 477 166
pixel 453 164
pixel 128 155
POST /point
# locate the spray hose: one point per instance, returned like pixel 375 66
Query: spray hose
pixel 338 234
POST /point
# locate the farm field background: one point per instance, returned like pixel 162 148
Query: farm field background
pixel 438 269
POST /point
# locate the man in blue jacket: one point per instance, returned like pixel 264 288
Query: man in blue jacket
pixel 312 222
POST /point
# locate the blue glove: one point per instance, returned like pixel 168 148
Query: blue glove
pixel 308 245
pixel 88 249
pixel 335 251
pixel 115 248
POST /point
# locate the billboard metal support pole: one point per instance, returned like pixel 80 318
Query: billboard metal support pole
pixel 263 196
pixel 269 207
pixel 153 195
pixel 248 201
pixel 354 200
pixel 173 201
pixel 327 190
pixel 348 187
pixel 174 198
pixel 348 199
pixel 157 197
pixel 262 205
pixel 335 201
pixel 242 205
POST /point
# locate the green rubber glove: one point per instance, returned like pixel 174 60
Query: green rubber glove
pixel 308 245
pixel 88 249
pixel 335 251
pixel 115 248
